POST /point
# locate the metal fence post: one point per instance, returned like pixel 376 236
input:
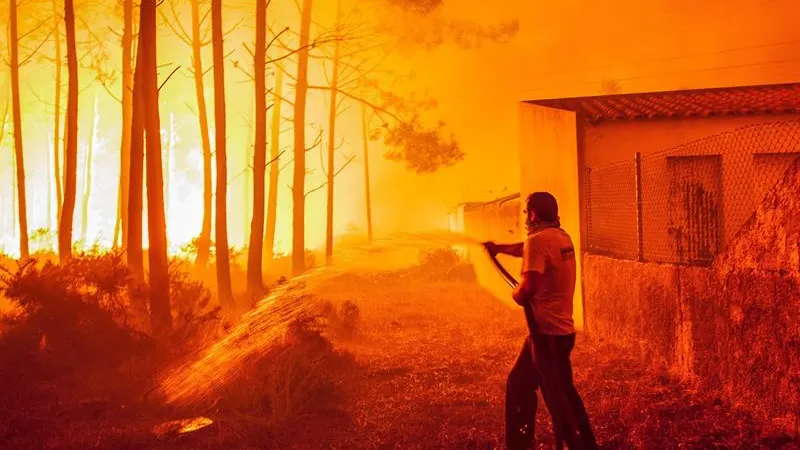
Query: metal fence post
pixel 639 221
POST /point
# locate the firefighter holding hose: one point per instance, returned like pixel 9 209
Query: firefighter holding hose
pixel 545 291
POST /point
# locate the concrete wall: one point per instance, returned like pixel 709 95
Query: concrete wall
pixel 734 326
pixel 549 162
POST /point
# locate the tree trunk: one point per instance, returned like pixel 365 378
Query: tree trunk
pixel 17 117
pixel 299 178
pixel 121 226
pixel 204 240
pixel 168 165
pixel 332 145
pixel 57 96
pixel 246 190
pixel 365 137
pixel 255 282
pixel 160 315
pixel 135 255
pixel 49 188
pixel 87 179
pixel 224 289
pixel 70 140
pixel 272 200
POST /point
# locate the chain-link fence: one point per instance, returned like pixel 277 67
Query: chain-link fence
pixel 685 204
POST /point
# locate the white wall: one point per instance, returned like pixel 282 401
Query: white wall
pixel 549 162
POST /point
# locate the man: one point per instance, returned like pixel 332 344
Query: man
pixel 547 287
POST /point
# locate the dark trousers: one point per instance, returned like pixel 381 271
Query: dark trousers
pixel 544 363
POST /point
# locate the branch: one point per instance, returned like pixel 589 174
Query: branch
pixel 36 50
pixel 211 67
pixel 179 31
pixel 276 37
pixel 33 30
pixel 374 107
pixel 349 160
pixel 168 77
pixel 108 91
pixel 316 142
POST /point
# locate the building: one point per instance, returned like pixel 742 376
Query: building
pixel 493 220
pixel 684 206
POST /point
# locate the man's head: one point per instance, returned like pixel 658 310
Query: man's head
pixel 541 207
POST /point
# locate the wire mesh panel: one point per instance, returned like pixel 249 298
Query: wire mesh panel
pixel 694 198
pixel 611 211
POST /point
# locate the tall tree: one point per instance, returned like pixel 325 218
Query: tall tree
pixel 57 96
pixel 121 226
pixel 13 43
pixel 255 282
pixel 196 40
pixel 204 241
pixel 332 113
pixel 272 199
pixel 133 251
pixel 365 143
pixel 299 175
pixel 70 140
pixel 224 289
pixel 87 178
pixel 160 314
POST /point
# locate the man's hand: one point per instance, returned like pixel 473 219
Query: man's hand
pixel 508 249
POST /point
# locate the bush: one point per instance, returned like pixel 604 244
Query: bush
pixel 90 312
pixel 193 315
pixel 342 321
pixel 444 264
pixel 72 315
pixel 299 378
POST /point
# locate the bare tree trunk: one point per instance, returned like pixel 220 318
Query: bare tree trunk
pixel 13 43
pixel 224 289
pixel 365 137
pixel 87 178
pixel 121 226
pixel 70 141
pixel 49 189
pixel 204 240
pixel 135 255
pixel 160 314
pixel 246 190
pixel 255 282
pixel 57 125
pixel 168 165
pixel 299 178
pixel 332 145
pixel 272 199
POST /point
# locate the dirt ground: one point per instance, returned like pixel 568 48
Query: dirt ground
pixel 431 365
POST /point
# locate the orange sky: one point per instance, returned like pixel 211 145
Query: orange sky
pixel 563 48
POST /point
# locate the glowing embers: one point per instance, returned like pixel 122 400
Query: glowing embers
pixel 183 426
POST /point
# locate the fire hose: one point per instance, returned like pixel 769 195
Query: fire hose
pixel 513 283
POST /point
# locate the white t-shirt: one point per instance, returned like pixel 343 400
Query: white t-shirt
pixel 550 252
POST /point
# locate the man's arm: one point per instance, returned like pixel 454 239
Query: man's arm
pixel 528 286
pixel 514 249
pixel 534 263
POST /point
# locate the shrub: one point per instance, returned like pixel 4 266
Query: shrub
pixel 193 314
pixel 299 378
pixel 444 264
pixel 71 315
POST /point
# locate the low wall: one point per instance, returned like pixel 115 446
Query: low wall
pixel 734 326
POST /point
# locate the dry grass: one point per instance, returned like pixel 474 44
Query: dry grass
pixel 421 365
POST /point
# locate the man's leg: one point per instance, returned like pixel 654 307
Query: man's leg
pixel 521 400
pixel 549 362
pixel 565 344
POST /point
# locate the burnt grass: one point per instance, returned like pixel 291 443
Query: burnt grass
pixel 424 368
